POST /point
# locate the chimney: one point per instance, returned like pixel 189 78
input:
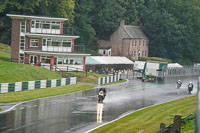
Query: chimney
pixel 122 22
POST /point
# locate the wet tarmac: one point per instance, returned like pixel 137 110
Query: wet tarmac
pixel 80 112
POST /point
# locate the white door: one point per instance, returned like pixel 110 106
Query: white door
pixel 33 59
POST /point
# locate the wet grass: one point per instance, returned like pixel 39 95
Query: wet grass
pixel 81 76
pixel 39 93
pixel 189 127
pixel 148 120
pixel 16 72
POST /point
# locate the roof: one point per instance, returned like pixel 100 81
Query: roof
pixel 34 17
pixel 50 35
pixel 51 53
pixel 133 32
pixel 174 65
pixel 92 60
pixel 139 65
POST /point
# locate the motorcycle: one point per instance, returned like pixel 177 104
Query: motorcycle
pixel 179 84
pixel 101 96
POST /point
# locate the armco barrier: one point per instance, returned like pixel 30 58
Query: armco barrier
pixel 31 85
pixel 109 79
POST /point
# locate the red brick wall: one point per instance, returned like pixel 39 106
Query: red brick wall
pixel 28 25
pixel 27 46
pixel 15 38
pixel 116 42
pixel 139 47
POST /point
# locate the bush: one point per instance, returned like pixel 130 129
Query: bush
pixel 155 59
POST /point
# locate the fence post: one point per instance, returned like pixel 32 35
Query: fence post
pixel 177 124
pixel 162 128
pixel 197 127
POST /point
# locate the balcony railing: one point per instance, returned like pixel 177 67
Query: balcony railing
pixel 66 31
pixel 77 49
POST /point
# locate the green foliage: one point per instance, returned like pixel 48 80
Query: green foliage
pixel 92 52
pixel 172 26
pixel 83 21
pixel 155 59
pixel 106 17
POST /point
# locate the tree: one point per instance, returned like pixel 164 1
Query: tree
pixel 83 21
pixel 107 15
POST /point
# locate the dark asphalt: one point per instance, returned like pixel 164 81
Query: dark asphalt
pixel 80 112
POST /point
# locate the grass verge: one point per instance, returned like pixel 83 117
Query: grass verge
pixel 16 72
pixel 39 93
pixel 81 76
pixel 148 120
pixel 189 127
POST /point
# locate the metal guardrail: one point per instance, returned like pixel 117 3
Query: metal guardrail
pixel 197 127
pixel 186 71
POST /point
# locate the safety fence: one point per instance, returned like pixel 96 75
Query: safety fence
pixel 175 127
pixel 31 85
pixel 185 71
pixel 110 78
pixel 197 127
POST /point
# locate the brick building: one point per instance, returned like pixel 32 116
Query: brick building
pixel 128 41
pixel 44 41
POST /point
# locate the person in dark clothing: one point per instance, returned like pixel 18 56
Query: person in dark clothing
pixel 101 94
pixel 179 83
pixel 190 87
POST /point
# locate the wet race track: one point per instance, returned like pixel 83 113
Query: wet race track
pixel 80 112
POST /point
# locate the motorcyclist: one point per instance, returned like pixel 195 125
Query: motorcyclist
pixel 190 87
pixel 101 94
pixel 179 83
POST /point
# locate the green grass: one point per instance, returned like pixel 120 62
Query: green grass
pixel 39 93
pixel 148 120
pixel 4 56
pixel 5 46
pixel 189 127
pixel 15 72
pixel 81 76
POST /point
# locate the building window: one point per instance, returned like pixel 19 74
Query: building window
pixel 21 58
pixel 44 42
pixel 23 27
pixel 144 42
pixel 104 52
pixel 55 25
pixel 142 53
pixel 33 42
pixel 22 42
pixel 67 43
pixel 134 53
pixel 37 25
pixel 60 60
pixel 56 42
pixel 45 59
pixel 45 24
pixel 139 42
pixel 135 42
pixel 32 24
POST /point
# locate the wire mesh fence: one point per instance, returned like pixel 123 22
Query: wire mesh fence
pixel 185 71
pixel 197 127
